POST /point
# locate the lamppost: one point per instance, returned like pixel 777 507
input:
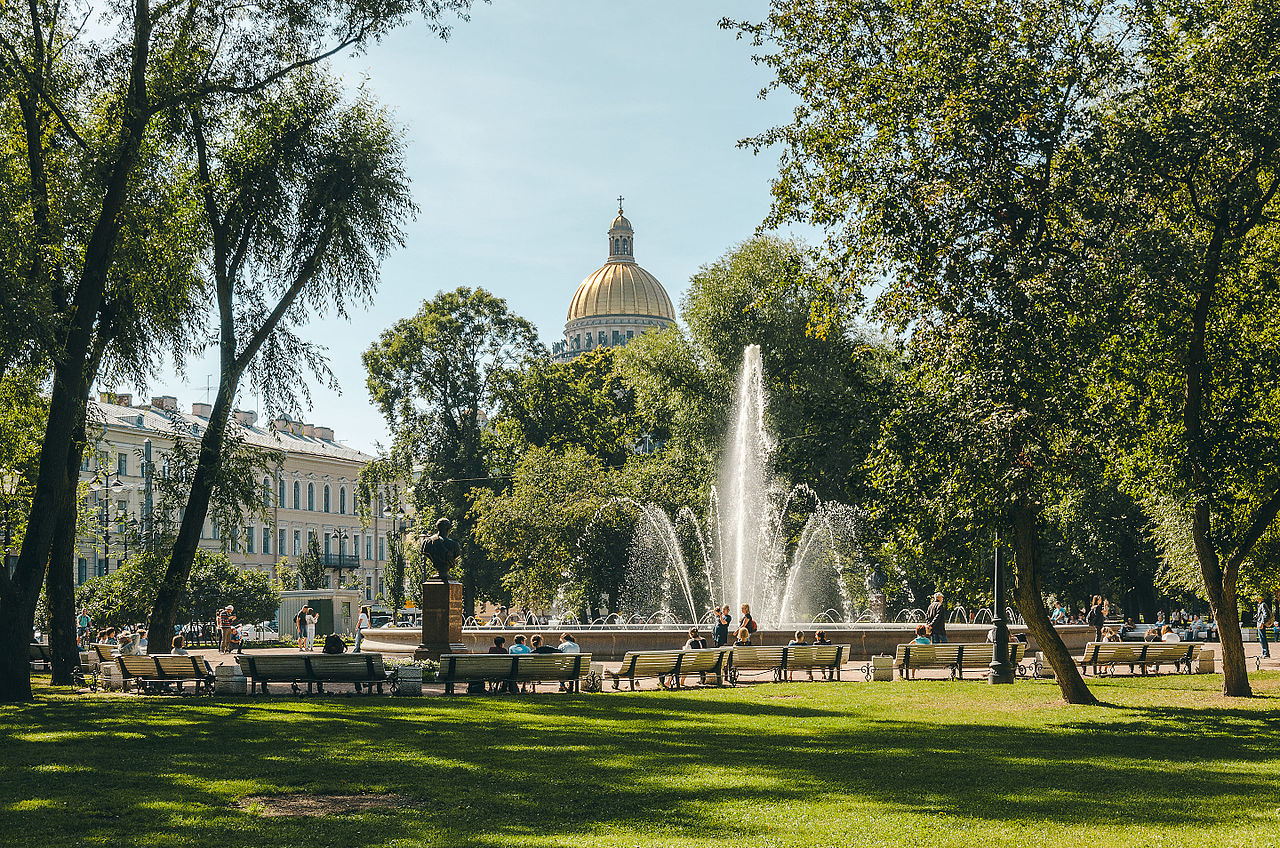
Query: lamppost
pixel 1001 668
pixel 340 542
pixel 102 484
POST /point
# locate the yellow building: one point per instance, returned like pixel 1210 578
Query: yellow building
pixel 616 303
pixel 312 493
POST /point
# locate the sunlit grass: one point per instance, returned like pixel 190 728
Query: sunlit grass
pixel 1169 762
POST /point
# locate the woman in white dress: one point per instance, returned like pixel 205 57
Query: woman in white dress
pixel 312 618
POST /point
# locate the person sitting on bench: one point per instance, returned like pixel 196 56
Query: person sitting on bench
pixel 922 635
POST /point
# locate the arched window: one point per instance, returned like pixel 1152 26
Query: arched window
pixel 625 246
pixel 297 495
pixel 266 493
pixel 283 503
pixel 615 245
pixel 342 500
pixel 311 497
pixel 326 497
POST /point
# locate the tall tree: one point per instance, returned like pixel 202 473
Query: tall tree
pixel 435 376
pixel 97 91
pixel 302 196
pixel 928 144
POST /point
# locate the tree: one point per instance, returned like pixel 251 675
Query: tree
pixel 84 104
pixel 928 143
pixel 302 195
pixel 215 582
pixel 435 377
pixel 311 565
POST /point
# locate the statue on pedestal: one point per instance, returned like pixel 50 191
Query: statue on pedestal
pixel 441 551
pixel 441 599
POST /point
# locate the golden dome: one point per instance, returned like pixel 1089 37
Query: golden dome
pixel 621 288
pixel 620 222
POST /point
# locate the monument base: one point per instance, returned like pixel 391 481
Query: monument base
pixel 876 604
pixel 441 620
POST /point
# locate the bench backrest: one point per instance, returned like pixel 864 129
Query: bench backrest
pixel 515 666
pixel 105 652
pixel 1139 652
pixel 182 667
pixel 704 660
pixel 814 656
pixel 39 653
pixel 325 667
pixel 654 663
pixel 758 656
pixel 963 654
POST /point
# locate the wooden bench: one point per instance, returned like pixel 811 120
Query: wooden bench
pixel 361 669
pixel 514 669
pixel 954 656
pixel 672 665
pixel 40 657
pixel 780 660
pixel 1105 656
pixel 157 672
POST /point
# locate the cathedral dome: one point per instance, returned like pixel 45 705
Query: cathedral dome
pixel 621 288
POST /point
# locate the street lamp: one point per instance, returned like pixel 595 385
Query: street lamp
pixel 1001 668
pixel 340 541
pixel 102 483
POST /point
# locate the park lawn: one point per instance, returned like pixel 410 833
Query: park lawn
pixel 808 764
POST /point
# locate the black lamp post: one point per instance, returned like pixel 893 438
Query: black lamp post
pixel 103 485
pixel 340 542
pixel 1001 668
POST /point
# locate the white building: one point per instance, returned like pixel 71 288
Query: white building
pixel 312 493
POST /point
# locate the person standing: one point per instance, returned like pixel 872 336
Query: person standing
pixel 748 621
pixel 364 621
pixel 935 620
pixel 1261 618
pixel 300 622
pixel 720 632
pixel 227 623
pixel 83 623
pixel 441 551
pixel 1096 618
pixel 312 618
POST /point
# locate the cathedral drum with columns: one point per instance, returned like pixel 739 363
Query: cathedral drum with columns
pixel 618 302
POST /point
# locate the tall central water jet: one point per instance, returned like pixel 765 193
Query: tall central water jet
pixel 745 481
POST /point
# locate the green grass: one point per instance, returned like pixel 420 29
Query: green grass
pixel 926 763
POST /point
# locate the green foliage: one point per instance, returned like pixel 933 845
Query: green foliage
pixel 311 568
pixel 215 582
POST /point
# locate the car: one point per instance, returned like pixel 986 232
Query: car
pixel 261 632
pixel 381 621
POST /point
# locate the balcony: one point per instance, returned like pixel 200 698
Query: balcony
pixel 340 560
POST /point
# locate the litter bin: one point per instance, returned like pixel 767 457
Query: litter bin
pixel 882 667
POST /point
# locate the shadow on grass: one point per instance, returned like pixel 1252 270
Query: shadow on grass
pixel 151 770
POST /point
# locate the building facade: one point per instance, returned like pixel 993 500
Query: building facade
pixel 617 302
pixel 312 493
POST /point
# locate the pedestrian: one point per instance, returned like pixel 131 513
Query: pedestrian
pixel 300 622
pixel 312 618
pixel 226 622
pixel 936 620
pixel 1261 619
pixel 1097 617
pixel 83 623
pixel 720 632
pixel 364 621
pixel 747 621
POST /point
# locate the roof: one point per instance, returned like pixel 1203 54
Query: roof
pixel 621 288
pixel 161 423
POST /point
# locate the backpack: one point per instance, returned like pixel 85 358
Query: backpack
pixel 333 644
pixel 751 625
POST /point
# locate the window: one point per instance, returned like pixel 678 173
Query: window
pixel 311 497
pixel 266 540
pixel 368 588
pixel 342 501
pixel 102 568
pixel 382 547
pixel 122 463
pixel 281 501
pixel 326 545
pixel 281 548
pixel 248 540
pixel 216 531
pixel 355 545
pixel 326 497
pixel 368 547
pixel 84 463
pixel 297 495
pixel 82 570
pixel 297 543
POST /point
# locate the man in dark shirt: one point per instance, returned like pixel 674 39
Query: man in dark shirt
pixel 539 648
pixel 936 619
pixel 440 550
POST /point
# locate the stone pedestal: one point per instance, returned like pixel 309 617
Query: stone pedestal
pixel 441 620
pixel 876 603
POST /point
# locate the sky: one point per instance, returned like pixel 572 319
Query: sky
pixel 521 130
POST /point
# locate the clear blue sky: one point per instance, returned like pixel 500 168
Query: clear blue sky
pixel 521 131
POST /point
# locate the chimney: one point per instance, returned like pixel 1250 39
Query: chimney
pixel 201 410
pixel 325 433
pixel 169 403
pixel 115 398
pixel 280 424
pixel 247 417
pixel 308 430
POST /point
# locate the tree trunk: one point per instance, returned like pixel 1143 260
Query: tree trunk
pixel 1220 586
pixel 61 594
pixel 1030 598
pixel 164 614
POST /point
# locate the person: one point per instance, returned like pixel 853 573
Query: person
pixel 936 619
pixel 300 622
pixel 1168 634
pixel 568 645
pixel 441 551
pixel 1096 618
pixel 366 619
pixel 333 644
pixel 1152 634
pixel 1059 615
pixel 1261 618
pixel 748 621
pixel 109 636
pixel 1127 627
pixel 499 618
pixel 922 635
pixel 519 647
pixel 226 622
pixel 695 641
pixel 742 637
pixel 142 639
pixel 539 648
pixel 83 623
pixel 797 641
pixel 179 646
pixel 500 646
pixel 127 645
pixel 312 617
pixel 820 638
pixel 1109 635
pixel 720 632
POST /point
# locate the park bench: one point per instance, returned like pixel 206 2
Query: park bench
pixel 158 672
pixel 957 657
pixel 708 663
pixel 41 659
pixel 361 669
pixel 1105 656
pixel 513 669
pixel 780 660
